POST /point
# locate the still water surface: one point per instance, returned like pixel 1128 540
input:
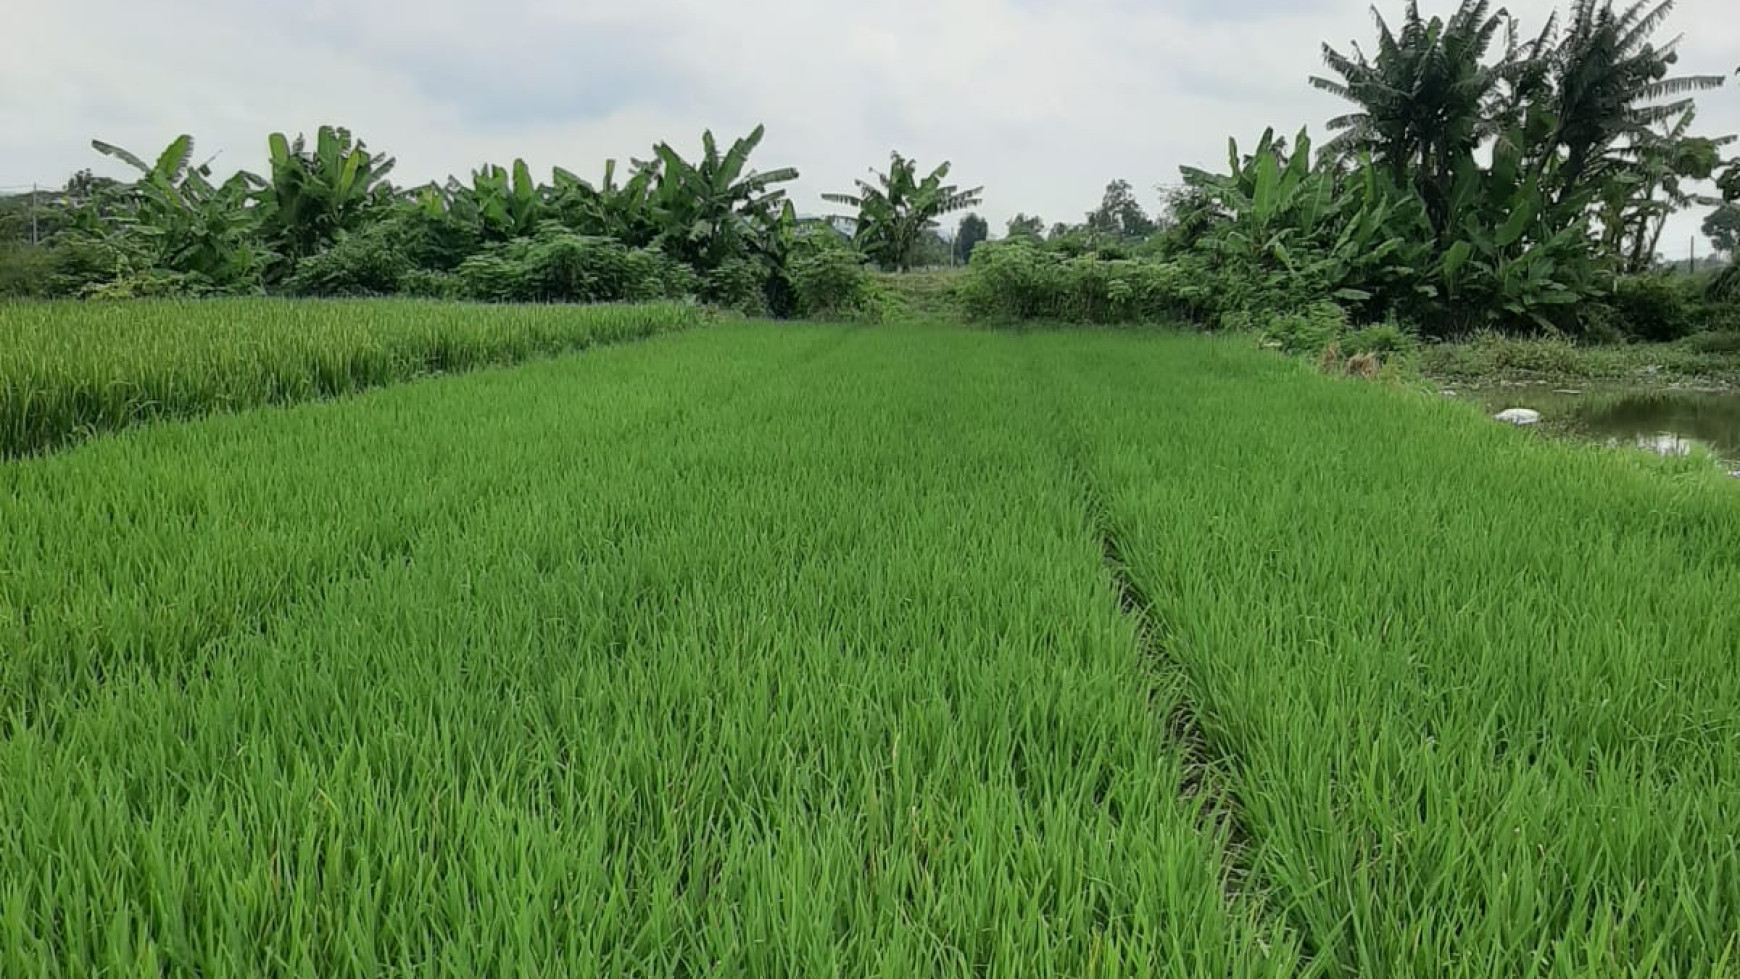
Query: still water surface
pixel 1669 422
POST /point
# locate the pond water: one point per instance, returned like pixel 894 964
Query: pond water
pixel 1665 421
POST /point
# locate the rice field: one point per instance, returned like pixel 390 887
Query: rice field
pixel 910 650
pixel 69 371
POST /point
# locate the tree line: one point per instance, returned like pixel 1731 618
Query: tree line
pixel 1483 176
pixel 326 219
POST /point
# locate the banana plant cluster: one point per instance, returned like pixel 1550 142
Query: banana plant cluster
pixel 248 232
pixel 1507 248
pixel 176 218
pixel 1590 149
pixel 1589 106
pixel 894 213
pixel 317 194
pixel 704 212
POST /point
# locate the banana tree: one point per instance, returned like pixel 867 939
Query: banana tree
pixel 894 213
pixel 710 210
pixel 504 204
pixel 178 220
pixel 1647 182
pixel 318 194
pixel 622 211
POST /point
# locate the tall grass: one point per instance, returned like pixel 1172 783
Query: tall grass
pixel 68 370
pixel 752 651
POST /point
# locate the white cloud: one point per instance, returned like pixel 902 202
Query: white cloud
pixel 1041 101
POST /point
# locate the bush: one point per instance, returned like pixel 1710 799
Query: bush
pixel 25 271
pixel 828 278
pixel 557 266
pixel 1725 286
pixel 364 264
pixel 1719 342
pixel 1309 330
pixel 425 284
pixel 1018 280
pixel 81 263
pixel 737 284
pixel 1385 339
pixel 1599 323
pixel 1717 317
pixel 1651 309
pixel 1552 355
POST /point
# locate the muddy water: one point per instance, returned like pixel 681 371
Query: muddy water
pixel 1665 421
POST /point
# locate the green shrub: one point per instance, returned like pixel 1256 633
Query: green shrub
pixel 1387 339
pixel 426 284
pixel 1496 352
pixel 365 264
pixel 1725 286
pixel 738 284
pixel 1718 342
pixel 828 278
pixel 491 277
pixel 1599 323
pixel 83 263
pixel 1716 317
pixel 1022 281
pixel 931 293
pixel 558 266
pixel 1651 309
pixel 1308 330
pixel 25 271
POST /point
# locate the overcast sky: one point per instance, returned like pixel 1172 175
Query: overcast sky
pixel 1041 101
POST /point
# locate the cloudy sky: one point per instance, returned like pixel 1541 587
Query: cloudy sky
pixel 1041 101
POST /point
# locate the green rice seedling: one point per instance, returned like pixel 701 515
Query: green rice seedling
pixel 1476 689
pixel 68 370
pixel 772 651
pixel 794 650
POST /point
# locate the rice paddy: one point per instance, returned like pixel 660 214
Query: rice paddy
pixel 905 650
pixel 71 371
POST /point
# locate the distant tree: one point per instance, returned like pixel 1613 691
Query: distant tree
pixel 900 207
pixel 1025 226
pixel 973 230
pixel 931 250
pixel 1722 227
pixel 1120 214
pixel 1059 230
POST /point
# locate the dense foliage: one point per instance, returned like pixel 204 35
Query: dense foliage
pixel 1520 186
pixel 325 220
pixel 1483 178
pixel 891 215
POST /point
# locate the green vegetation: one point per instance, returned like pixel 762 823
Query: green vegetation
pixel 823 650
pixel 1475 688
pixel 1708 358
pixel 891 215
pixel 714 654
pixel 70 370
pixel 1486 175
pixel 326 221
pixel 1484 178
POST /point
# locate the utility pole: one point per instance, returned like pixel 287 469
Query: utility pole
pixel 33 241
